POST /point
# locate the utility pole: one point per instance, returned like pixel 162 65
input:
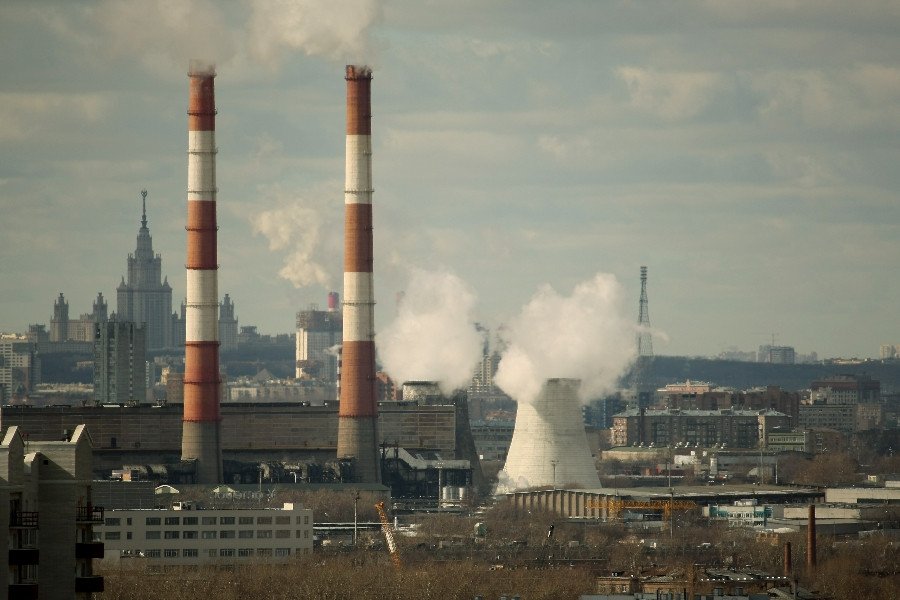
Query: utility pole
pixel 355 517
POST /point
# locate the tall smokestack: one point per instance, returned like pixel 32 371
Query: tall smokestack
pixel 357 416
pixel 200 439
pixel 811 538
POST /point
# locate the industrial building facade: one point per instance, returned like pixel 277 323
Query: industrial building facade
pixel 183 535
pixel 152 434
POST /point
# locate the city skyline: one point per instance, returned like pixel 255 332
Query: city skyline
pixel 744 154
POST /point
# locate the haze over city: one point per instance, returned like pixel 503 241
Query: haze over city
pixel 745 153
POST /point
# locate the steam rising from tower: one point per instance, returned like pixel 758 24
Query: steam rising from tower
pixel 357 416
pixel 200 428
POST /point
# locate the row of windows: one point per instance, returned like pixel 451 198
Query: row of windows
pixel 223 552
pixel 152 521
pixel 226 534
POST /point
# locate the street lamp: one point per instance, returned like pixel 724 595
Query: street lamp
pixel 553 463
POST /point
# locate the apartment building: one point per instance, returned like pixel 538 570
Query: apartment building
pixel 187 535
pixel 45 498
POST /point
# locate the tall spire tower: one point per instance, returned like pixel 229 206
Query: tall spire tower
pixel 358 414
pixel 200 438
pixel 644 341
pixel 642 388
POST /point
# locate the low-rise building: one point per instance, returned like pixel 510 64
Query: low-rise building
pixel 742 513
pixel 187 535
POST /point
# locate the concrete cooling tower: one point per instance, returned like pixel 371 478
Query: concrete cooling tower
pixel 549 446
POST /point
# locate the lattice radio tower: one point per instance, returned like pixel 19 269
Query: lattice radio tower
pixel 644 340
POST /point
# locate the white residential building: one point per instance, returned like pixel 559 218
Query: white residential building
pixel 183 535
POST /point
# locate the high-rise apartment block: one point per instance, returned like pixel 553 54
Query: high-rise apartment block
pixel 228 325
pixel 19 366
pixel 120 363
pixel 319 333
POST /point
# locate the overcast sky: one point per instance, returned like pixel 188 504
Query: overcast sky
pixel 746 152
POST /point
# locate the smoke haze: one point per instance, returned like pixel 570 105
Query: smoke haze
pixel 433 337
pixel 583 336
pixel 294 227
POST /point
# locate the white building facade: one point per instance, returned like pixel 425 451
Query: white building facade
pixel 185 536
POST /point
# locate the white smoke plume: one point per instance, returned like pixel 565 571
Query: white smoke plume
pixel 165 34
pixel 294 226
pixel 335 29
pixel 584 336
pixel 433 337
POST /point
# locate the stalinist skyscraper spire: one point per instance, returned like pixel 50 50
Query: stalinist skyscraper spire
pixel 144 296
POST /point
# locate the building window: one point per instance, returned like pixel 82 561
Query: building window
pixel 283 533
pixel 171 535
pixel 245 533
pixel 226 552
pixel 189 534
pixel 190 521
pixel 208 521
pixel 208 535
pixel 226 534
pixel 245 520
pixel 112 521
pixel 306 534
pixel 153 521
pixel 245 552
pixel 154 553
pixel 263 533
pixel 190 553
pixel 283 520
pixel 112 535
pixel 170 553
pixel 173 520
pixel 264 552
pixel 226 520
pixel 282 551
pixel 263 520
pixel 128 535
pixel 152 535
pixel 212 552
pixel 128 521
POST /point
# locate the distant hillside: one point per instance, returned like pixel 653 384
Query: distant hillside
pixel 742 375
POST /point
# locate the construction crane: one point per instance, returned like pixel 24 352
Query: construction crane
pixel 388 532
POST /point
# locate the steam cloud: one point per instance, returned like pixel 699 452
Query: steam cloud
pixel 433 337
pixel 166 33
pixel 335 29
pixel 583 336
pixel 295 226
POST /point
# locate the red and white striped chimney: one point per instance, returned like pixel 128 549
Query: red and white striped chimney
pixel 357 416
pixel 200 438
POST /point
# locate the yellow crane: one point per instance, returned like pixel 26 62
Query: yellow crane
pixel 388 532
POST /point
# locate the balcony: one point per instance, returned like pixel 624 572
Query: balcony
pixel 89 514
pixel 23 556
pixel 23 591
pixel 25 520
pixel 92 584
pixel 89 550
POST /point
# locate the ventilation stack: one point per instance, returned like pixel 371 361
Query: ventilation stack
pixel 200 438
pixel 549 446
pixel 357 416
